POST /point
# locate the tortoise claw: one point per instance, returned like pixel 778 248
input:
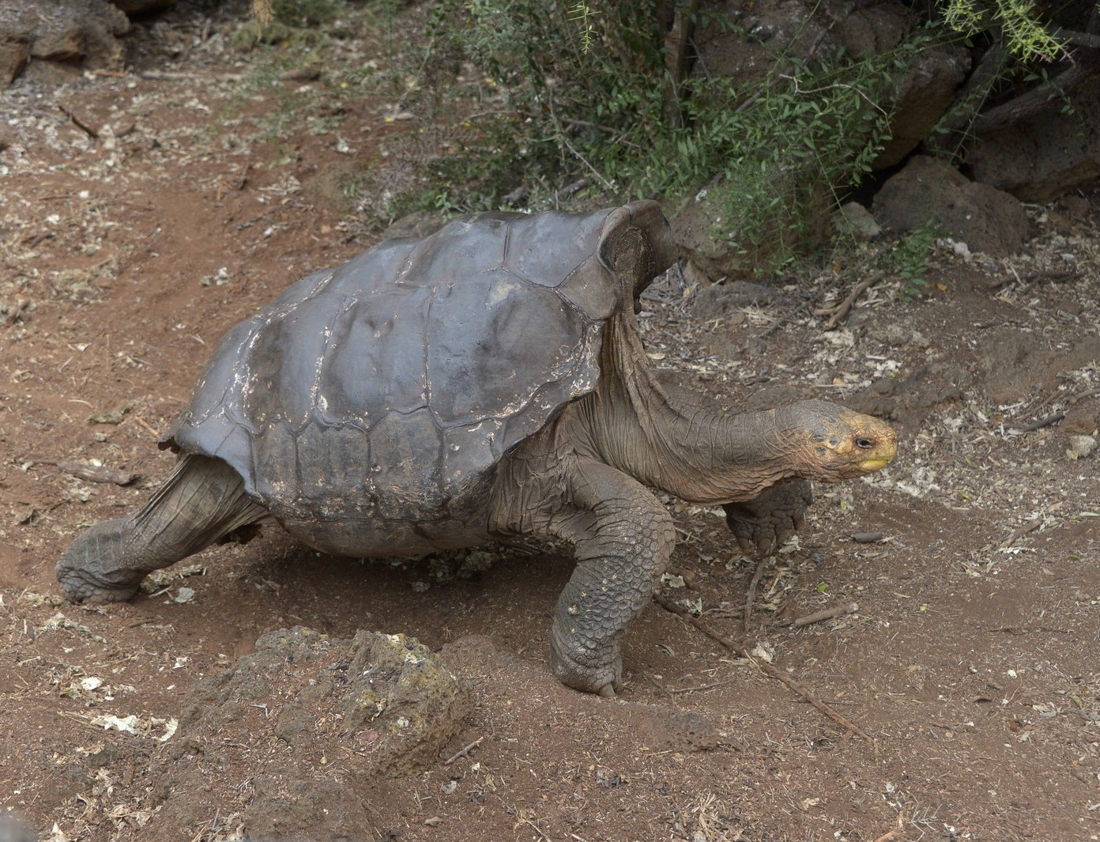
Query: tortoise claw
pixel 596 671
pixel 93 568
pixel 763 524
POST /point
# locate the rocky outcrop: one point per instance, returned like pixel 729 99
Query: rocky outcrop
pixel 985 218
pixel 924 92
pixel 83 33
pixel 1040 158
pixel 315 720
pixel 15 50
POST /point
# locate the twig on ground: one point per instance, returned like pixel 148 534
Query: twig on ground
pixel 826 614
pixel 813 700
pixel 463 752
pixel 1030 526
pixel 88 130
pixel 16 312
pixel 1051 276
pixel 767 668
pixel 536 828
pixel 91 473
pixel 839 311
pixel 672 607
pixel 658 684
pixel 147 427
pixel 95 473
pixel 701 687
pixel 1053 418
pixel 172 75
pixel 750 596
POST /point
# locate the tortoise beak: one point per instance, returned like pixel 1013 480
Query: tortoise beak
pixel 871 465
pixel 882 453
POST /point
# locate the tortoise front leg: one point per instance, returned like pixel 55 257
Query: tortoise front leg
pixel 766 522
pixel 202 500
pixel 623 538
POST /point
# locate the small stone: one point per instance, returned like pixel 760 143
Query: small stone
pixel 1080 446
pixel 856 221
pixel 961 249
pixel 867 537
pixel 1080 421
pixel 764 652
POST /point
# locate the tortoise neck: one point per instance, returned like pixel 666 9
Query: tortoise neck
pixel 675 442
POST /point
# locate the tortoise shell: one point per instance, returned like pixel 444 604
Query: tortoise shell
pixel 393 385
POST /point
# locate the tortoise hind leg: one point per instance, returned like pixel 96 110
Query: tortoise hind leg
pixel 201 501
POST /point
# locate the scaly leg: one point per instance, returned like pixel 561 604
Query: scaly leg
pixel 623 538
pixel 201 501
pixel 762 525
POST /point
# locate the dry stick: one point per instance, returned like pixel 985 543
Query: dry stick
pixel 700 687
pixel 147 427
pixel 95 473
pixel 91 473
pixel 1037 99
pixel 88 130
pixel 464 752
pixel 191 77
pixel 841 310
pixel 751 595
pixel 1021 532
pixel 767 668
pixel 826 614
pixel 537 828
pixel 1053 418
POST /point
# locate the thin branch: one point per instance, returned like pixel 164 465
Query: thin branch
pixel 750 595
pixel 90 473
pixel 1080 39
pixel 767 668
pixel 1053 418
pixel 839 311
pixel 826 614
pixel 463 752
pixel 88 130
pixel 1038 99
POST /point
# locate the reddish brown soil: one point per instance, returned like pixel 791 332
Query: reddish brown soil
pixel 973 662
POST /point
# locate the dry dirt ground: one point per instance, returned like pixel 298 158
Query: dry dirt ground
pixel 972 664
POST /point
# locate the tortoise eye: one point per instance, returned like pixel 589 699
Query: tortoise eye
pixel 865 444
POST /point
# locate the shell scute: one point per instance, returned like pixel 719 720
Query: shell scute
pixel 480 339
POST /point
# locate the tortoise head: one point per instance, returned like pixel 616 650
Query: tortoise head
pixel 834 443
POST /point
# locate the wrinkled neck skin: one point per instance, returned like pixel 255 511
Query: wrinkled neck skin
pixel 671 442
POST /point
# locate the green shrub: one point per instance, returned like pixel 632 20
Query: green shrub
pixel 586 93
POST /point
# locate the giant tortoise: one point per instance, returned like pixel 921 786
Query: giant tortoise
pixel 484 382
